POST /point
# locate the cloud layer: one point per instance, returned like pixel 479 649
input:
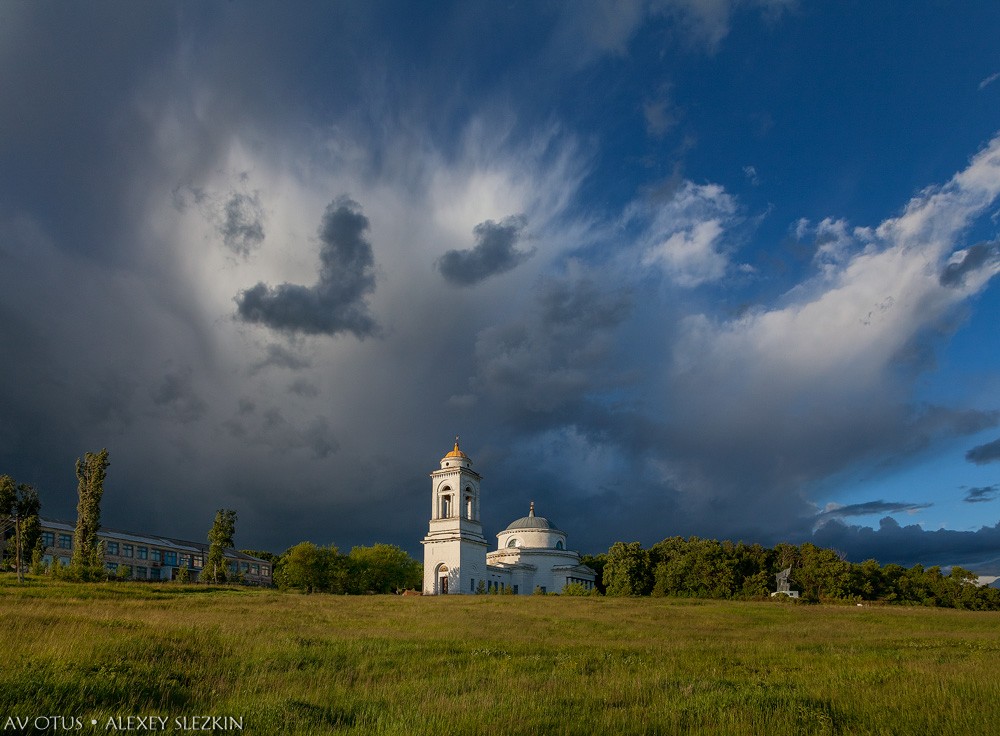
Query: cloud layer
pixel 494 253
pixel 337 302
pixel 623 350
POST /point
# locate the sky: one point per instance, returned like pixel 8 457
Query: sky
pixel 722 268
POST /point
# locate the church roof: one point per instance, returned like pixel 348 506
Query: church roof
pixel 457 452
pixel 532 522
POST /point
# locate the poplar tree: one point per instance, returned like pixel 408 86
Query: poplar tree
pixel 219 538
pixel 90 472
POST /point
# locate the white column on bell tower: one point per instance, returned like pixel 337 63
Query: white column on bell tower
pixel 454 548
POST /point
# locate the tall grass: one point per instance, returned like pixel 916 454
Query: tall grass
pixel 288 663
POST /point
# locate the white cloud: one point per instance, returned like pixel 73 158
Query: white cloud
pixel 591 28
pixel 841 333
pixel 835 241
pixel 989 80
pixel 686 235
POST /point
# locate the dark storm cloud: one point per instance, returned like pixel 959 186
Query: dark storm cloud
pixel 872 507
pixel 279 356
pixel 911 545
pixel 982 495
pixel 237 216
pixel 983 454
pixel 552 358
pixel 929 422
pixel 176 393
pixel 494 253
pixel 975 258
pixel 110 400
pixel 304 388
pixel 337 303
pixel 242 227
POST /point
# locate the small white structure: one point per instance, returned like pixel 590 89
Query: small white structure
pixel 531 552
pixel 784 587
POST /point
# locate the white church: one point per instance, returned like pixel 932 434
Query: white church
pixel 531 552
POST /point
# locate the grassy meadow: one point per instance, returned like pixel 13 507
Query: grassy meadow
pixel 294 664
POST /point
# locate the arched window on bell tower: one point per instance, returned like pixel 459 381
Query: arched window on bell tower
pixel 445 502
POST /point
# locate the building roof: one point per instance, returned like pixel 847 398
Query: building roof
pixel 457 452
pixel 148 539
pixel 532 522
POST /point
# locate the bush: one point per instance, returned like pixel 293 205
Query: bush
pixel 578 589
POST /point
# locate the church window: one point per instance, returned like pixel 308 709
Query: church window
pixel 514 542
pixel 445 505
pixel 468 506
pixel 559 544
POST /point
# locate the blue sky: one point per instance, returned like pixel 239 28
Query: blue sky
pixel 702 267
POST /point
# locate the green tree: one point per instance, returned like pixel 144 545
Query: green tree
pixel 220 538
pixel 20 504
pixel 627 570
pixel 868 581
pixel 382 568
pixel 822 573
pixel 306 567
pixel 91 472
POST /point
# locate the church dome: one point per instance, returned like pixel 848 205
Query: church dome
pixel 532 522
pixel 457 452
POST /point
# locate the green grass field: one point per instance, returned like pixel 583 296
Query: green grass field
pixel 290 663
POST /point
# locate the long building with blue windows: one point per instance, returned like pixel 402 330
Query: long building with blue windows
pixel 148 557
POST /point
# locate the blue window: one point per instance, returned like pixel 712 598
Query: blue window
pixel 112 548
pixel 169 558
pixel 65 541
pixel 126 550
pixel 157 556
pixel 48 539
pixel 143 552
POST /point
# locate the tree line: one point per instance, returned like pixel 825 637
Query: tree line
pixel 707 568
pixel 677 566
pixel 381 568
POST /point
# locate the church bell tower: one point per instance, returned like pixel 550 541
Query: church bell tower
pixel 454 548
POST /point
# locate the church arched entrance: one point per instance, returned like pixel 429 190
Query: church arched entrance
pixel 442 580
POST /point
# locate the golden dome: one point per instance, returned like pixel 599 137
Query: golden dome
pixel 457 452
